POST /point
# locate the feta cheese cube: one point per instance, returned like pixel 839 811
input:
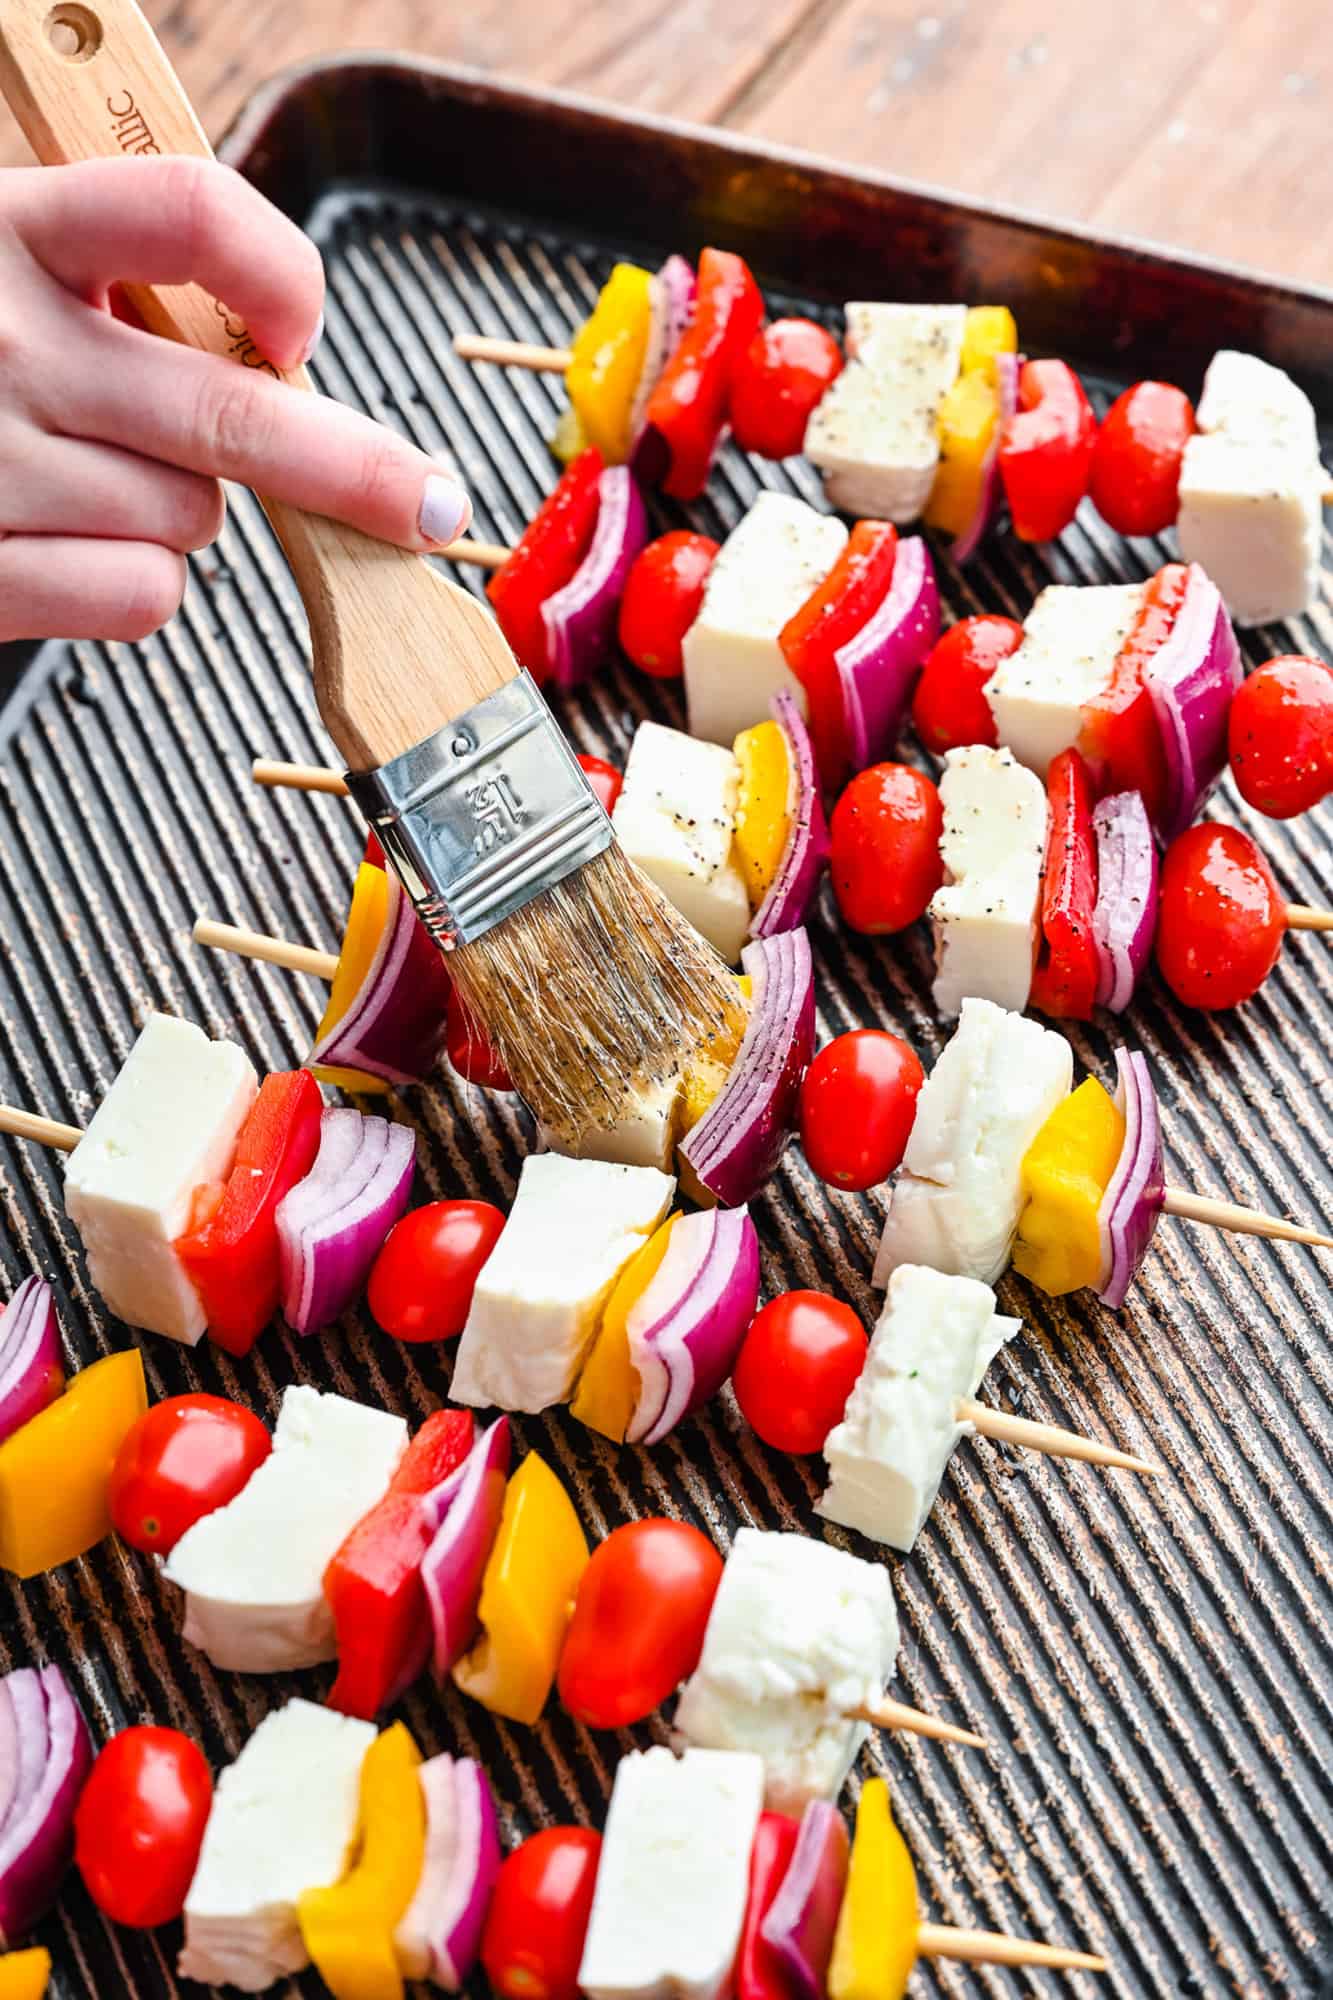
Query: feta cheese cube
pixel 768 565
pixel 1251 490
pixel 676 817
pixel 673 1877
pixel 642 1134
pixel 1071 639
pixel 875 435
pixel 935 1339
pixel 168 1124
pixel 282 1821
pixel 800 1635
pixel 253 1571
pixel 957 1200
pixel 986 916
pixel 573 1227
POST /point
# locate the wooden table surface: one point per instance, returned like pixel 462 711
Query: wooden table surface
pixel 1200 123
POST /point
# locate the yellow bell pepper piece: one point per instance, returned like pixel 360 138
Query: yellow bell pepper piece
pixel 349 1928
pixel 763 806
pixel 607 360
pixel 568 438
pixel 987 331
pixel 874 1946
pixel 608 1388
pixel 24 1974
pixel 967 419
pixel 366 918
pixel 527 1596
pixel 1065 1173
pixel 55 1470
pixel 711 1067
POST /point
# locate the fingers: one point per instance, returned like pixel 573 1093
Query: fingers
pixel 227 422
pixel 54 485
pixel 56 587
pixel 175 221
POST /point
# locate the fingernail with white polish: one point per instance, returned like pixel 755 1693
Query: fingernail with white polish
pixel 445 511
pixel 314 340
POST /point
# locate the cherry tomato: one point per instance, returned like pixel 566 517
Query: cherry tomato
pixel 533 1939
pixel 604 779
pixel 663 593
pixel 1135 482
pixel 778 382
pixel 469 1048
pixel 949 708
pixel 858 1101
pixel 422 1282
pixel 179 1461
pixel 885 848
pixel 638 1624
pixel 1220 918
pixel 139 1825
pixel 797 1367
pixel 1281 736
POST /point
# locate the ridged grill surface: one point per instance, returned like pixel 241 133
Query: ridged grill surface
pixel 1149 1661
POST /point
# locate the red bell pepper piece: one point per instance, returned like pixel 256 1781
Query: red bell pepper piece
pixel 544 558
pixel 1065 981
pixel 1120 736
pixel 374 854
pixel 374 1585
pixel 688 407
pixel 760 1973
pixel 1046 451
pixel 231 1247
pixel 834 612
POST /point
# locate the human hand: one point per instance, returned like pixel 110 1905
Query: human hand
pixel 112 441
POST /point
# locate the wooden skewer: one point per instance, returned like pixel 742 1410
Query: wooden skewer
pixel 512 353
pixel 1246 1221
pixel 298 777
pixel 481 555
pixel 45 1131
pixel 994 1948
pixel 273 951
pixel 1050 1439
pixel 1300 917
pixel 887 1714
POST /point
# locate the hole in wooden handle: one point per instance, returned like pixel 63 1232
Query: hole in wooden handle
pixel 74 32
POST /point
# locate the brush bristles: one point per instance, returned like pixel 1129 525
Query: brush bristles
pixel 596 990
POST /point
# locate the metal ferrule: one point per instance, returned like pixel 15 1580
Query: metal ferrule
pixel 485 814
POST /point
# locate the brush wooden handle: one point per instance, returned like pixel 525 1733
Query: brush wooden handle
pixel 398 649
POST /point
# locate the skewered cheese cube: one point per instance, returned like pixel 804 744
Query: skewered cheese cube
pixel 935 1339
pixel 168 1124
pixel 642 1134
pixel 956 1203
pixel 799 1636
pixel 1251 490
pixel 767 567
pixel 993 846
pixel 676 817
pixel 253 1571
pixel 573 1227
pixel 1071 638
pixel 283 1821
pixel 673 1876
pixel 875 435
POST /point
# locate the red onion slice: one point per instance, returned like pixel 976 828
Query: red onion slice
pixel 464 1515
pixel 440 1935
pixel 673 290
pixel 332 1225
pixel 580 618
pixel 32 1371
pixel 792 889
pixel 394 1027
pixel 1136 1190
pixel 686 1330
pixel 1125 914
pixel 991 496
pixel 800 1922
pixel 1190 680
pixel 879 666
pixel 37 1835
pixel 739 1142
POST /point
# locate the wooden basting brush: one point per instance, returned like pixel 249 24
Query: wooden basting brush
pixel 588 982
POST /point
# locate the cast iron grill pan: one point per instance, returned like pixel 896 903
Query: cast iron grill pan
pixel 1149 1662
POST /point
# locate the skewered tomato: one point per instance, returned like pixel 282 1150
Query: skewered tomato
pixel 797 1367
pixel 858 1101
pixel 605 780
pixel 181 1460
pixel 533 1940
pixel 1136 461
pixel 638 1624
pixel 1046 451
pixel 140 1823
pixel 663 593
pixel 469 1047
pixel 949 708
pixel 1220 919
pixel 1280 733
pixel 422 1282
pixel 885 848
pixel 777 384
